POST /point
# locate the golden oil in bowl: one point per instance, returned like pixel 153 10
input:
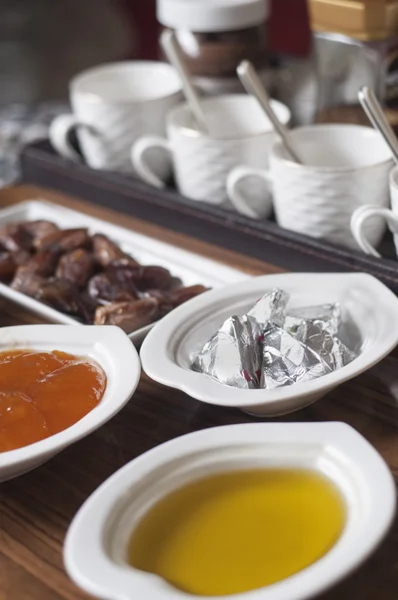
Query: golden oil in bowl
pixel 237 531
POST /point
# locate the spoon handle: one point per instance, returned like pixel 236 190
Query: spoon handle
pixel 253 85
pixel 377 117
pixel 172 50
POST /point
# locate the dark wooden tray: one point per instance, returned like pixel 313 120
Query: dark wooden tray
pixel 263 240
pixel 36 509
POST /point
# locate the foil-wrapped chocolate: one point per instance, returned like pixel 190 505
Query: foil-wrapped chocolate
pixel 271 308
pixel 297 319
pixel 270 347
pixel 317 327
pixel 286 360
pixel 233 354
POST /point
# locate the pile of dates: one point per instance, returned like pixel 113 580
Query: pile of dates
pixel 87 276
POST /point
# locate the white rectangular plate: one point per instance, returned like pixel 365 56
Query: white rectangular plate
pixel 190 268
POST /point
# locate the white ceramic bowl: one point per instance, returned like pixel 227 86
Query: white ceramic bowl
pixel 95 550
pixel 107 345
pixel 369 312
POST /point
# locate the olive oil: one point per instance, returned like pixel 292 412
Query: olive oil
pixel 238 531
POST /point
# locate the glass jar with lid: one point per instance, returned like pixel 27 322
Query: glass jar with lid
pixel 355 43
pixel 215 35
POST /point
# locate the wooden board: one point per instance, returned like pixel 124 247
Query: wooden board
pixel 35 509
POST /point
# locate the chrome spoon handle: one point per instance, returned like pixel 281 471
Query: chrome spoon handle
pixel 376 116
pixel 173 52
pixel 253 85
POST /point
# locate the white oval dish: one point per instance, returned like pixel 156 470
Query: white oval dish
pixel 110 347
pixel 369 310
pixel 95 551
pixel 189 267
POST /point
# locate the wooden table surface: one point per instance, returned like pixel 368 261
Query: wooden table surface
pixel 36 509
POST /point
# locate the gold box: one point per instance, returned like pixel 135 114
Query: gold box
pixel 363 20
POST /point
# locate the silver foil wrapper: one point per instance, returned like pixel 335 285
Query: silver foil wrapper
pixel 317 327
pixel 286 360
pixel 327 314
pixel 269 347
pixel 233 355
pixel 271 308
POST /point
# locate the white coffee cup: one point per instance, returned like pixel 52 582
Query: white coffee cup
pixel 201 162
pixel 363 219
pixel 345 167
pixel 113 105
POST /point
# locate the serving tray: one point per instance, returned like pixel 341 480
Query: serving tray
pixel 37 508
pixel 264 239
pixel 189 267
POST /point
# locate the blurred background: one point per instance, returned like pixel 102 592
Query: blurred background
pixel 43 43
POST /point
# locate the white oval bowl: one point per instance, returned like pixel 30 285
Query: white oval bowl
pixel 369 310
pixel 110 347
pixel 95 550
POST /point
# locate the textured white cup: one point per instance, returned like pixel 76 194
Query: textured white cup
pixel 346 167
pixel 240 133
pixel 113 105
pixel 362 221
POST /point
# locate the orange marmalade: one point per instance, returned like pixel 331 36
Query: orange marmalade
pixel 43 393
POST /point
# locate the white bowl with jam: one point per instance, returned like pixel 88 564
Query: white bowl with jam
pixel 277 511
pixel 58 383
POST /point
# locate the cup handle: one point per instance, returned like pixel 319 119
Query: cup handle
pixel 358 219
pixel 59 131
pixel 141 167
pixel 238 199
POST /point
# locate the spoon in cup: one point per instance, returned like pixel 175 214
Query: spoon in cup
pixel 253 85
pixel 172 50
pixel 377 117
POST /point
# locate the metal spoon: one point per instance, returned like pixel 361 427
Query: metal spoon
pixel 253 85
pixel 377 117
pixel 173 52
